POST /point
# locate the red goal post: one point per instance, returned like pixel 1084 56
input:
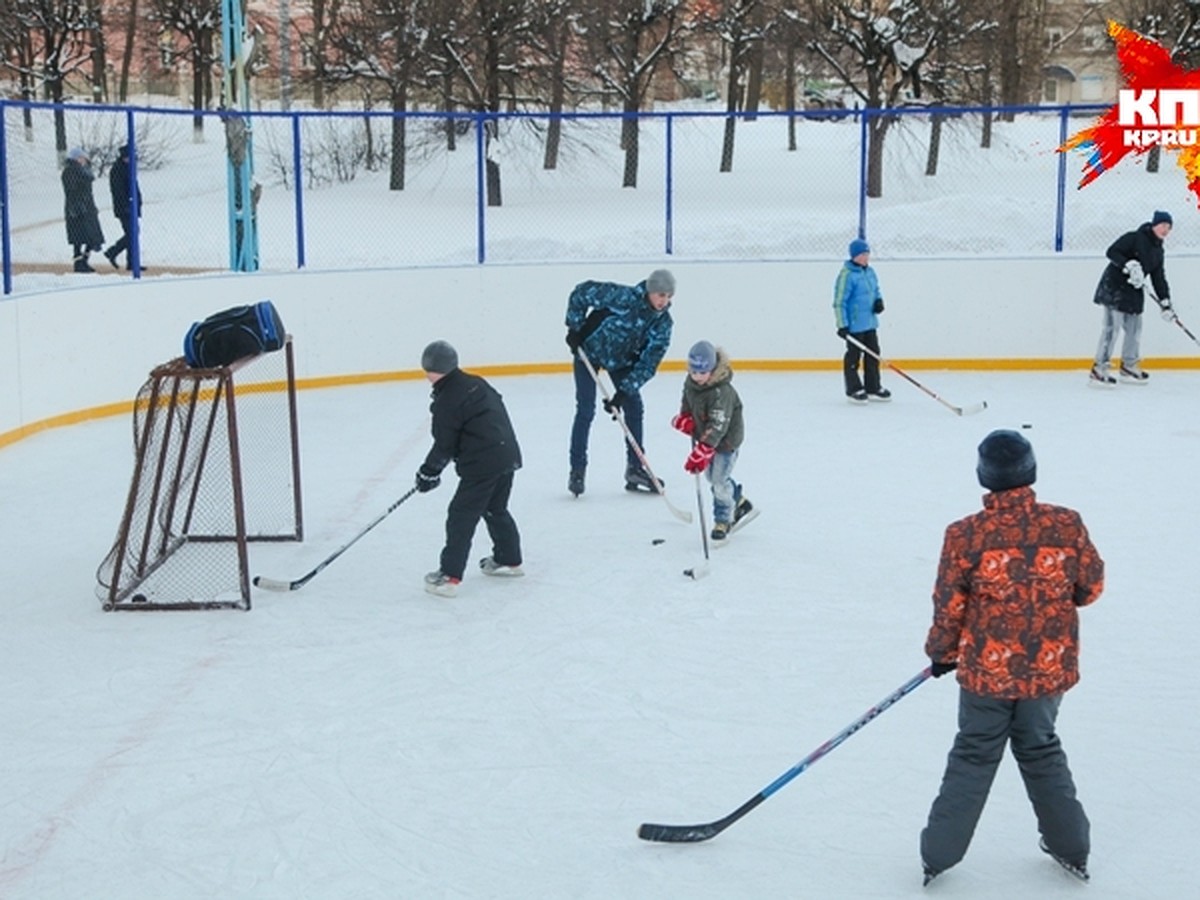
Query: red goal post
pixel 216 466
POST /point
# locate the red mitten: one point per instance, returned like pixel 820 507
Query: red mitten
pixel 699 458
pixel 684 422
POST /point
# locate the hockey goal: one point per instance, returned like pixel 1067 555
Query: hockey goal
pixel 216 466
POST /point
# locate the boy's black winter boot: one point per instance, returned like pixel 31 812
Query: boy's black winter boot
pixel 575 481
pixel 637 479
pixel 111 257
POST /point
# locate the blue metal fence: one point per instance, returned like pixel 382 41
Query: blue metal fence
pixel 797 187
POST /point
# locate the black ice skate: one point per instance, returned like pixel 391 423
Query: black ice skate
pixel 575 481
pixel 637 479
pixel 1076 868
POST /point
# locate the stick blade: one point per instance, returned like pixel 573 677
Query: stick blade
pixel 697 572
pixel 270 584
pixel 973 408
pixel 677 834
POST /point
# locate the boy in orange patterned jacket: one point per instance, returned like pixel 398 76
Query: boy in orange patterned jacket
pixel 1009 582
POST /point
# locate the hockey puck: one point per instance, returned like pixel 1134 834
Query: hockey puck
pixel 1027 425
pixel 658 541
pixel 138 598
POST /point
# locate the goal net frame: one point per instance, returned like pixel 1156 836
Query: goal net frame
pixel 201 438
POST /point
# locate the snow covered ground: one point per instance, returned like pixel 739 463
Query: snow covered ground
pixel 363 739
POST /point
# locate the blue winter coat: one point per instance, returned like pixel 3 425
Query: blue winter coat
pixel 622 332
pixel 854 296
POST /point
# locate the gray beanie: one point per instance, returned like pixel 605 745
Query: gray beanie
pixel 661 281
pixel 440 358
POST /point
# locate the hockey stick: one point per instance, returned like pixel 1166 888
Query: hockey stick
pixel 1153 295
pixel 698 572
pixel 681 514
pixel 957 410
pixel 690 834
pixel 271 584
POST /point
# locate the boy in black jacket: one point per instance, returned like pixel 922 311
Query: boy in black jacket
pixel 472 428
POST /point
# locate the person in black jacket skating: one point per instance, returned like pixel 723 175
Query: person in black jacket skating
pixel 1135 262
pixel 472 428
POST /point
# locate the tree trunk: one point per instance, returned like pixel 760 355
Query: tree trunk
pixel 877 128
pixel 935 144
pixel 789 96
pixel 629 142
pixel 732 95
pixel 399 134
pixel 99 56
pixel 557 96
pixel 127 50
pixel 448 106
pixel 754 79
pixel 197 96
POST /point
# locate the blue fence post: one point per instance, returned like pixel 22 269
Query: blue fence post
pixel 670 178
pixel 298 178
pixel 480 190
pixel 1060 199
pixel 863 140
pixel 5 231
pixel 135 199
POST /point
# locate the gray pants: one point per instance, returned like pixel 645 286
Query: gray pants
pixel 1131 349
pixel 984 726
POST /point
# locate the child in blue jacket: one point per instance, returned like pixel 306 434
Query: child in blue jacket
pixel 857 303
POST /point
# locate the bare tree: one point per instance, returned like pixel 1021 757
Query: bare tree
pixel 884 51
pixel 739 26
pixel 53 49
pixel 552 25
pixel 487 46
pixel 631 40
pixel 382 42
pixel 195 22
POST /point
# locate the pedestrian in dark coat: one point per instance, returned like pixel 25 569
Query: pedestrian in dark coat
pixel 1135 264
pixel 124 201
pixel 626 330
pixel 1009 583
pixel 470 427
pixel 79 209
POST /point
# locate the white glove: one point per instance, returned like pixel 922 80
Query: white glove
pixel 1168 311
pixel 1133 272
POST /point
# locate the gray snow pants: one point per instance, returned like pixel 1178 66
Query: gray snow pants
pixel 1131 346
pixel 985 725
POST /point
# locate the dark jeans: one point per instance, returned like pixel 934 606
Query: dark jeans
pixel 585 411
pixel 120 245
pixel 985 725
pixel 476 498
pixel 870 363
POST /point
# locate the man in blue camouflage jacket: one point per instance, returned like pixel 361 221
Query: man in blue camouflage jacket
pixel 626 330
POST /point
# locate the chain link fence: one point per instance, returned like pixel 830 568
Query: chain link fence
pixel 478 189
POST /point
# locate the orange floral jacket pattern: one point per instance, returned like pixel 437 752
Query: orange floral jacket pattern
pixel 1008 586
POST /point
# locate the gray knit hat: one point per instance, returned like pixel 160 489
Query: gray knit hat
pixel 661 281
pixel 440 358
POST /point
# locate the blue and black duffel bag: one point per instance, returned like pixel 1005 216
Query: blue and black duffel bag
pixel 234 334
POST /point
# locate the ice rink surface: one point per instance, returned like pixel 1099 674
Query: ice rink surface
pixel 361 738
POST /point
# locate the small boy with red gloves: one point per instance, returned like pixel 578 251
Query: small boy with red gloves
pixel 711 413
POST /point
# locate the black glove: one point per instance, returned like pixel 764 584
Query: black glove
pixel 843 331
pixel 615 403
pixel 878 307
pixel 574 339
pixel 939 669
pixel 427 479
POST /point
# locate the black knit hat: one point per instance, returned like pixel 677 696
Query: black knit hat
pixel 440 358
pixel 1006 461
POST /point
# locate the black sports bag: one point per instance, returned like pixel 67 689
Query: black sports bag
pixel 234 334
